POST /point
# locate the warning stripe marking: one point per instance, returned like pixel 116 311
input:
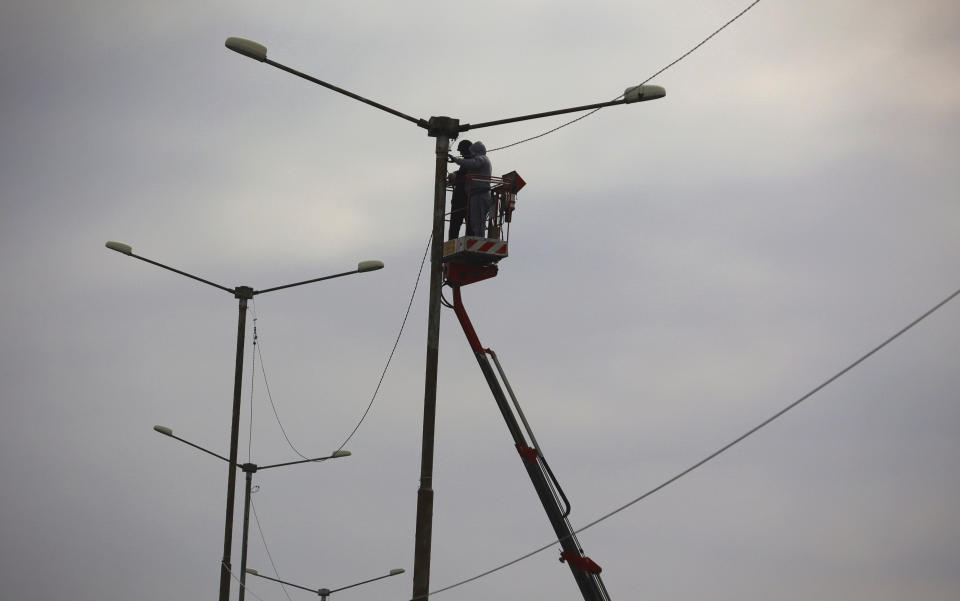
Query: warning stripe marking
pixel 497 247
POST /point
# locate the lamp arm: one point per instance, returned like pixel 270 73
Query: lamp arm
pixel 312 590
pixel 586 107
pixel 184 273
pixel 329 86
pixel 208 452
pixel 314 460
pixel 333 590
pixel 320 279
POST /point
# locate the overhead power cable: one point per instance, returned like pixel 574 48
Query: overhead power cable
pixel 383 374
pixel 266 385
pixel 713 455
pixel 413 294
pixel 683 56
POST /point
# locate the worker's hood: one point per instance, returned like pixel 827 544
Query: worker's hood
pixel 477 149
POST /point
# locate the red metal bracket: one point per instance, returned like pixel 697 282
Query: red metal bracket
pixel 528 453
pixel 581 562
pixel 461 274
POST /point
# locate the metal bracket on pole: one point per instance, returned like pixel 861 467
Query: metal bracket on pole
pixel 442 126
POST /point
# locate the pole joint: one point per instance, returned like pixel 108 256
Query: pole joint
pixel 443 126
pixel 243 292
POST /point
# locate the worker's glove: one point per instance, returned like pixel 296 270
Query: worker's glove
pixel 450 158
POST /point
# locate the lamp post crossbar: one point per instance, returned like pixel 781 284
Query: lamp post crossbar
pixel 326 592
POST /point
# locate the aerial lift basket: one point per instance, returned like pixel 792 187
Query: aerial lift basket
pixel 480 250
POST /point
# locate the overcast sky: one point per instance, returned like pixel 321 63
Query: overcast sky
pixel 679 271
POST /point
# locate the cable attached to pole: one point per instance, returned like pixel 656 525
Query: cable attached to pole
pixel 683 56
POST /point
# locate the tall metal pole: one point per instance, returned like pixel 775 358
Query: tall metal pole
pixel 421 558
pixel 243 293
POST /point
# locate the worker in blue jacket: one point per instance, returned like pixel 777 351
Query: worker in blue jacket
pixel 477 169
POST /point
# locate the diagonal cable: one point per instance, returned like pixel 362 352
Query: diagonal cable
pixel 269 556
pixel 683 56
pixel 239 582
pixel 716 453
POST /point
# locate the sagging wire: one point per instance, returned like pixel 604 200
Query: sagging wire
pixel 383 374
pixel 273 405
pixel 443 299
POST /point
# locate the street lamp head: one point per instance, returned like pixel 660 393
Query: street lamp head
pixel 396 571
pixel 120 247
pixel 247 48
pixel 369 266
pixel 341 453
pixel 252 571
pixel 164 430
pixel 643 92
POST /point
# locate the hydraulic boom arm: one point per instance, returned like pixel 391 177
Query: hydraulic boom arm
pixel 585 571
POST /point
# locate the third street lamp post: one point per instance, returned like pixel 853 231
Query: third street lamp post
pixel 326 592
pixel 242 294
pixel 249 469
pixel 444 129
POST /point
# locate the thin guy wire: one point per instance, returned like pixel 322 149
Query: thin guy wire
pixel 715 453
pixel 253 376
pixel 266 385
pixel 683 56
pixel 276 572
pixel 396 342
pixel 244 586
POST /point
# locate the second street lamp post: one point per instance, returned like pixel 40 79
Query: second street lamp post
pixel 249 469
pixel 242 294
pixel 444 129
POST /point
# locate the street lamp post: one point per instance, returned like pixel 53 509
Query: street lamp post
pixel 249 469
pixel 242 294
pixel 325 592
pixel 444 129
